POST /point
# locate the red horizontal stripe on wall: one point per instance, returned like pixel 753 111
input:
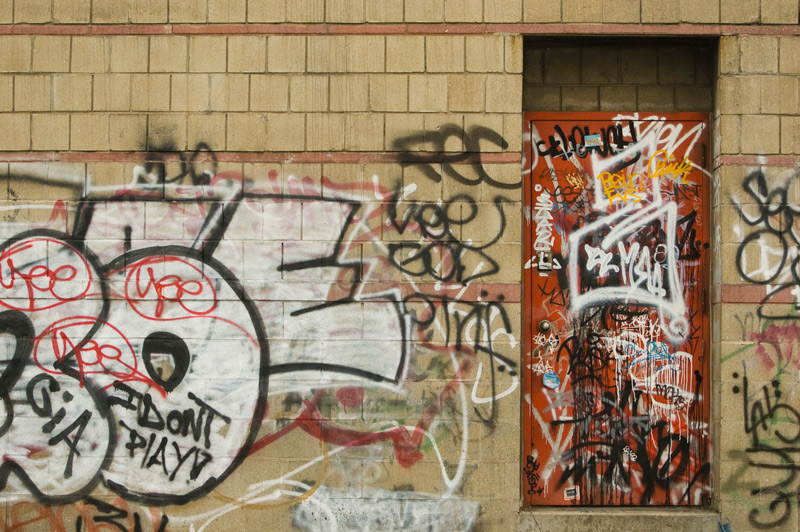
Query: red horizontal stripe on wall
pixel 400 28
pixel 259 157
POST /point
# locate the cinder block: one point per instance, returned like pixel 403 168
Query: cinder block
pixel 600 65
pixel 621 11
pixel 508 11
pixel 327 53
pixel 71 11
pixel 308 93
pixel 6 94
pixel 541 11
pixel 49 131
pixel 581 11
pixel 229 92
pixel 779 12
pixel 344 11
pixel 231 11
pixel 383 11
pixel 699 12
pixel 424 11
pixel 128 53
pixel 111 92
pixel 466 92
pixel 779 95
pixel 72 92
pixel 15 131
pixel 580 98
pixel 325 131
pixel 148 11
pixel 88 132
pixel 401 125
pixel 790 135
pixel 790 55
pixel 56 181
pixel 559 65
pixel 435 123
pixel 739 94
pixel 190 92
pixel 618 98
pixel 661 11
pixel 187 10
pixel 427 93
pixel 32 92
pixel 365 53
pixel 693 99
pixel 168 53
pixel 50 53
pixel 495 122
pixel 656 98
pixel 286 131
pixel 247 53
pixel 166 132
pixel 541 98
pixel 463 10
pixel 676 66
pixel 512 125
pixel 109 174
pixel 305 11
pixel 286 53
pixel 638 66
pixel 246 132
pixel 444 53
pixel 533 71
pixel 704 73
pixel 109 12
pixel 89 54
pixel 730 134
pixel 351 176
pixel 150 92
pixel 405 53
pixel 269 92
pixel 208 53
pixel 758 53
pixel 266 11
pixel 503 93
pixel 760 134
pixel 507 254
pixel 388 92
pixel 739 11
pixel 33 11
pixel 729 54
pixel 127 132
pixel 364 132
pixel 425 187
pixel 206 128
pixel 349 93
pixel 484 53
pixel 513 54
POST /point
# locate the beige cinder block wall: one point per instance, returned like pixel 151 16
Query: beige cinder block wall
pixel 261 260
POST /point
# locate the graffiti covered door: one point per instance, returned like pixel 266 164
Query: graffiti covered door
pixel 616 322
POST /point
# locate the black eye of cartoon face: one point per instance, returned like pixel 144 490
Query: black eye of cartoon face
pixel 166 358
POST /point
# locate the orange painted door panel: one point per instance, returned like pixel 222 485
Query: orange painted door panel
pixel 616 363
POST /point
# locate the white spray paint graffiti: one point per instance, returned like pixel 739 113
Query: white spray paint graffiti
pixel 161 317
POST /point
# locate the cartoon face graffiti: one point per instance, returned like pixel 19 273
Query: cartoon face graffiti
pixel 159 367
pixel 188 417
pixel 56 432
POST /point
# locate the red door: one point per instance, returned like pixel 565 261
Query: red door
pixel 617 380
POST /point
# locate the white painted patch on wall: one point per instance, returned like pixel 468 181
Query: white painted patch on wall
pixel 329 510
